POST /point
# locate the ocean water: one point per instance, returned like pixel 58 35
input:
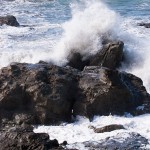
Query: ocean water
pixel 78 132
pixel 55 28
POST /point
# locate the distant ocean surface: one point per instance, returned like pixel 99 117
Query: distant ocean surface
pixel 56 28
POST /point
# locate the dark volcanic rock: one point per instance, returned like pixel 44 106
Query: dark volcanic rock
pixel 109 56
pixel 122 141
pixel 36 94
pixel 48 94
pixel 24 138
pixel 76 61
pixel 103 91
pixel 146 25
pixel 107 128
pixel 9 20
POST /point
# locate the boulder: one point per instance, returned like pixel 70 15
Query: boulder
pixel 36 94
pixel 47 94
pixel 107 128
pixel 24 138
pixel 9 20
pixel 146 25
pixel 103 91
pixel 76 61
pixel 109 56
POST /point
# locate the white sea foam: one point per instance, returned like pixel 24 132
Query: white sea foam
pixel 83 32
pixel 91 19
pixel 80 131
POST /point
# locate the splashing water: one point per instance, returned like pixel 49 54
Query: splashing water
pixel 78 132
pixel 84 31
pixel 57 28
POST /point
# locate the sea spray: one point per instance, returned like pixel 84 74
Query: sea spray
pixel 80 131
pixel 84 31
pixel 53 38
pixel 136 51
pixel 90 21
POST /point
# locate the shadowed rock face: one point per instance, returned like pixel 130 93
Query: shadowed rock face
pixel 146 25
pixel 109 56
pixel 76 61
pixel 9 20
pixel 36 94
pixel 48 94
pixel 23 138
pixel 45 93
pixel 104 91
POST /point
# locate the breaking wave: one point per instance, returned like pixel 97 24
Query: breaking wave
pixel 81 29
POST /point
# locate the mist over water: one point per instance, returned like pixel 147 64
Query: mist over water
pixel 83 33
pixel 57 28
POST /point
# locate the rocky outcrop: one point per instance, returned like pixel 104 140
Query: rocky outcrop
pixel 36 94
pixel 103 91
pixel 109 56
pixel 23 138
pixel 9 20
pixel 146 25
pixel 121 141
pixel 48 94
pixel 107 128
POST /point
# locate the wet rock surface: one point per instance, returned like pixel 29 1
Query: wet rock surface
pixel 107 128
pixel 47 94
pixel 146 25
pixel 23 138
pixel 103 91
pixel 36 94
pixel 122 141
pixel 9 20
pixel 76 61
pixel 109 56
